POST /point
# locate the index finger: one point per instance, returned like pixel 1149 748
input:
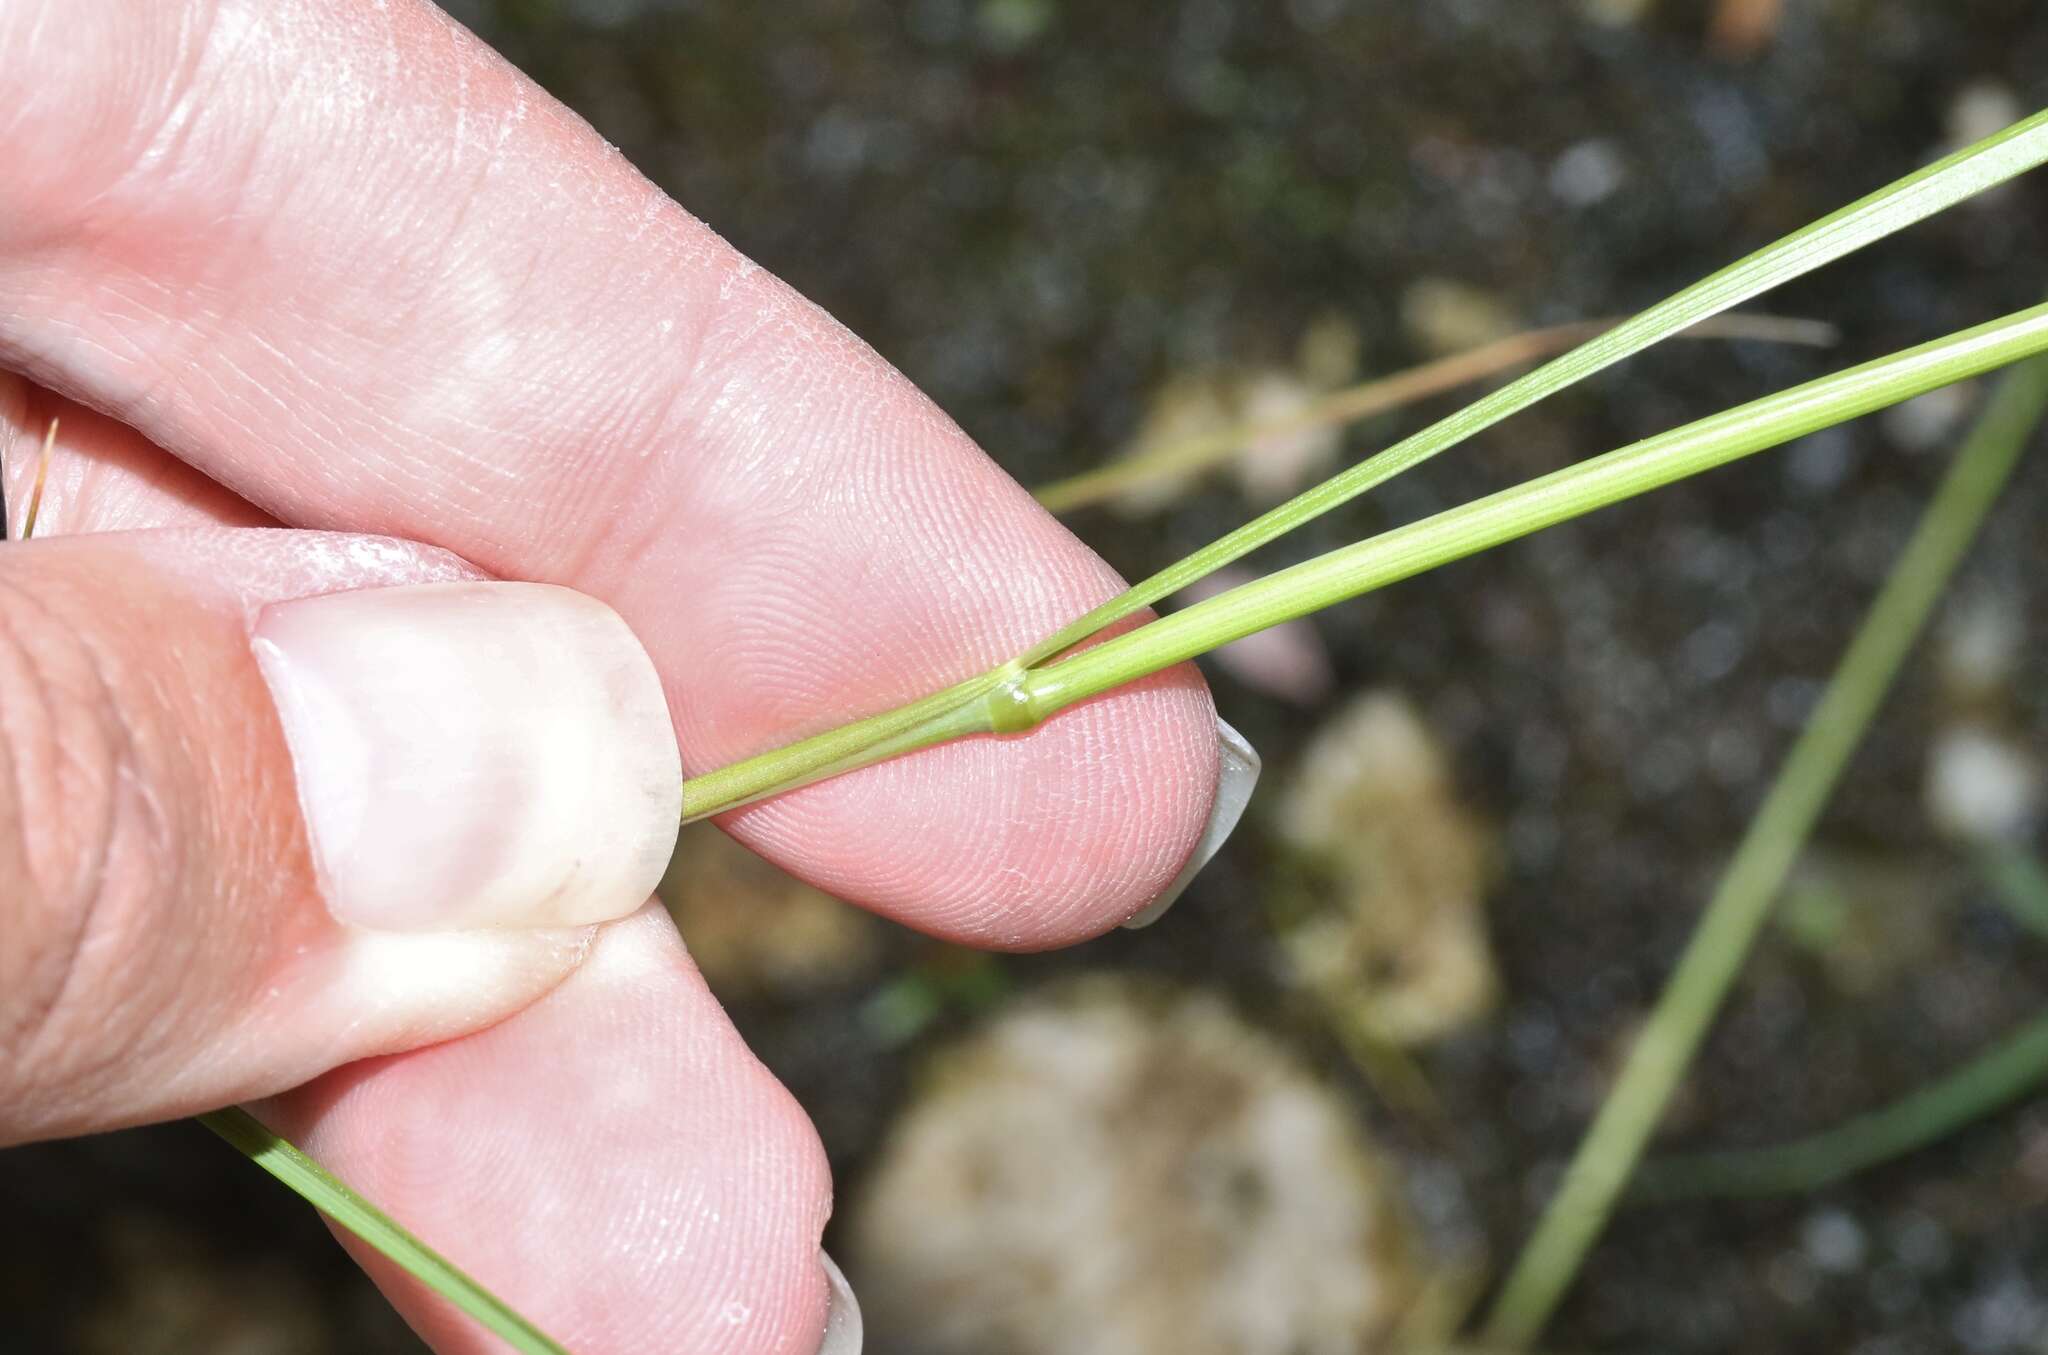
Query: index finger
pixel 350 264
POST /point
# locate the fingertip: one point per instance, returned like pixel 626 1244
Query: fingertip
pixel 612 1161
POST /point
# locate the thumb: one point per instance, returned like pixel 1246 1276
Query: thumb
pixel 275 801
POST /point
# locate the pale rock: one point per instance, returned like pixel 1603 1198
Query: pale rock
pixel 1120 1170
pixel 1981 786
pixel 1979 109
pixel 1187 409
pixel 1929 422
pixel 1391 934
pixel 1272 467
pixel 1195 418
pixel 1587 173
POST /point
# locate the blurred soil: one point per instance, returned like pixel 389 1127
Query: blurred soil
pixel 1045 211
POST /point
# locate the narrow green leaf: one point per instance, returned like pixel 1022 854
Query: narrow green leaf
pixel 1663 1050
pixel 965 708
pixel 1994 1079
pixel 331 1197
pixel 2019 882
pixel 1530 507
pixel 1189 456
pixel 1914 198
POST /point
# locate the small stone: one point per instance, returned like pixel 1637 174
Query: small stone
pixel 1327 354
pixel 1187 408
pixel 1191 411
pixel 1833 1241
pixel 1979 109
pixel 1979 650
pixel 1391 931
pixel 1981 786
pixel 1820 462
pixel 1587 173
pixel 1929 422
pixel 1115 1169
pixel 1272 467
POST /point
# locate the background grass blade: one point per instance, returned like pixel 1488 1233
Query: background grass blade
pixel 327 1194
pixel 1995 1078
pixel 1530 507
pixel 1187 456
pixel 1608 1154
pixel 955 712
pixel 1914 198
pixel 2019 884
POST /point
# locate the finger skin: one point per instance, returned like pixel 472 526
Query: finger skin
pixel 611 1160
pixel 104 476
pixel 166 949
pixel 611 1157
pixel 346 262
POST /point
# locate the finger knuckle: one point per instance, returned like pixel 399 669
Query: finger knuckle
pixel 83 844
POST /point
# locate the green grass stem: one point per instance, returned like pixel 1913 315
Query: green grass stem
pixel 1664 1048
pixel 1905 202
pixel 1989 1082
pixel 957 711
pixel 332 1197
pixel 1188 456
pixel 1530 507
pixel 2018 883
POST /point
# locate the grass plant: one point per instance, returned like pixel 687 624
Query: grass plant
pixel 1994 1079
pixel 1055 673
pixel 1000 700
pixel 1755 876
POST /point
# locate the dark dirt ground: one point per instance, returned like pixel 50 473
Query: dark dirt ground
pixel 1038 209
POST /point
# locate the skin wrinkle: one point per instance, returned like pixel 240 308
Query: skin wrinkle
pixel 182 1028
pixel 78 905
pixel 14 816
pixel 158 841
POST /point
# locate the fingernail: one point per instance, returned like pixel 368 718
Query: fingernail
pixel 474 755
pixel 1237 771
pixel 842 1319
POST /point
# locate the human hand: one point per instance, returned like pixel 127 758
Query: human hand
pixel 335 266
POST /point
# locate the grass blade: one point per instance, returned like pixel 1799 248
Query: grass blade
pixel 1992 1080
pixel 958 711
pixel 1608 1154
pixel 2019 883
pixel 1385 393
pixel 331 1197
pixel 1526 508
pixel 1914 198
